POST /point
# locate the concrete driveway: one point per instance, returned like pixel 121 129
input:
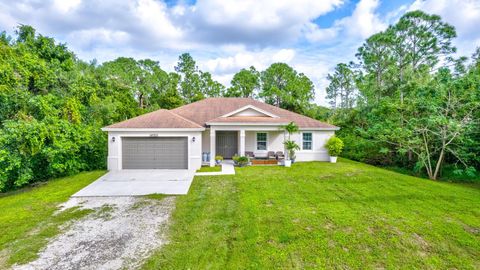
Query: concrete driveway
pixel 139 182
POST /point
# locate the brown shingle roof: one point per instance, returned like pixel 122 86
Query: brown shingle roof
pixel 157 119
pixel 197 114
pixel 208 109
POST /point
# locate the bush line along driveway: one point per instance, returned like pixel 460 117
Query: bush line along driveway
pixel 321 215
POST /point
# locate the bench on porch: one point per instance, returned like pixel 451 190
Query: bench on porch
pixel 264 157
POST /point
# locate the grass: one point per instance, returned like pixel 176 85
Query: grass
pixel 210 169
pixel 346 215
pixel 28 220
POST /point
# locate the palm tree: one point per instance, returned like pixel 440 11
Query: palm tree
pixel 290 145
pixel 290 129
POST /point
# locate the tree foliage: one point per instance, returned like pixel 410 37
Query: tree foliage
pixel 53 104
pixel 284 87
pixel 417 105
pixel 246 83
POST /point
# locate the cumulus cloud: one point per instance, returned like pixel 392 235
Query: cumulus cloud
pixel 463 14
pixel 66 6
pixel 243 58
pixel 254 22
pixel 363 22
pixel 314 33
pixel 102 37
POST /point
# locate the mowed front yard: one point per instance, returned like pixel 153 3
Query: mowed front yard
pixel 319 215
pixel 28 219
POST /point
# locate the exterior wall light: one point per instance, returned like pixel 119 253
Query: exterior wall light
pixel 193 139
pixel 113 139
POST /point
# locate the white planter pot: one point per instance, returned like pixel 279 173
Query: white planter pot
pixel 288 163
pixel 333 159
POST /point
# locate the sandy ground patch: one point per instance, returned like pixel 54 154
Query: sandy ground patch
pixel 118 235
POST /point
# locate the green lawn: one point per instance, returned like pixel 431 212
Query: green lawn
pixel 27 217
pixel 210 169
pixel 320 215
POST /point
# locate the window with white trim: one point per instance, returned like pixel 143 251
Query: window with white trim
pixel 261 141
pixel 307 141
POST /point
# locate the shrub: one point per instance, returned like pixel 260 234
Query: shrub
pixel 334 146
pixel 291 147
pixel 219 158
pixel 242 161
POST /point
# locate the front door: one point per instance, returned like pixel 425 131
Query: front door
pixel 226 143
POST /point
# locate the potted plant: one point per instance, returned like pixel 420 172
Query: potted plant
pixel 218 159
pixel 291 147
pixel 334 146
pixel 242 161
pixel 235 159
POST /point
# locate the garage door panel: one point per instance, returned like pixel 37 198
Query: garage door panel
pixel 154 153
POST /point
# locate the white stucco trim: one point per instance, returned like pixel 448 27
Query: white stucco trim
pixel 250 107
pixel 244 124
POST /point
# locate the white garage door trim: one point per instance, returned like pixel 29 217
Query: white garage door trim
pixel 169 152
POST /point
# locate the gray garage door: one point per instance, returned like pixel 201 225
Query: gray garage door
pixel 154 153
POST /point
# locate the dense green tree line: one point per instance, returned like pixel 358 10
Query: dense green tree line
pixel 408 102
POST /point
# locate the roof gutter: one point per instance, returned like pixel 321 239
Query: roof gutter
pixel 244 124
pixel 108 129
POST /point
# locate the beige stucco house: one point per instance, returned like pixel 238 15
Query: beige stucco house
pixel 181 138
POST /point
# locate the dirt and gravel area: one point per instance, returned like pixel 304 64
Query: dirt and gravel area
pixel 119 234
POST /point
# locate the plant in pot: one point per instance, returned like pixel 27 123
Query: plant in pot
pixel 242 161
pixel 334 146
pixel 289 129
pixel 235 159
pixel 218 159
pixel 291 147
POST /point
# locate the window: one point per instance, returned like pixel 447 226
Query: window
pixel 262 141
pixel 307 141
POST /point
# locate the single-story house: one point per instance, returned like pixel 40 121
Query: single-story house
pixel 177 138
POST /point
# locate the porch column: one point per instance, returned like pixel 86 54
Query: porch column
pixel 212 147
pixel 242 143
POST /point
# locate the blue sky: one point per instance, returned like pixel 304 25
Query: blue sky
pixel 225 35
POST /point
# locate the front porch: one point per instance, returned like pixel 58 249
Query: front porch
pixel 261 144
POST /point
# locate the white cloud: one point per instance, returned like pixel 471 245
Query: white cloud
pixel 260 59
pixel 254 22
pixel 98 37
pixel 314 33
pixel 153 16
pixel 364 21
pixel 463 14
pixel 66 6
pixel 255 14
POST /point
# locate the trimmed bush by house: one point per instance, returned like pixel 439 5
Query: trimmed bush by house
pixel 334 146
